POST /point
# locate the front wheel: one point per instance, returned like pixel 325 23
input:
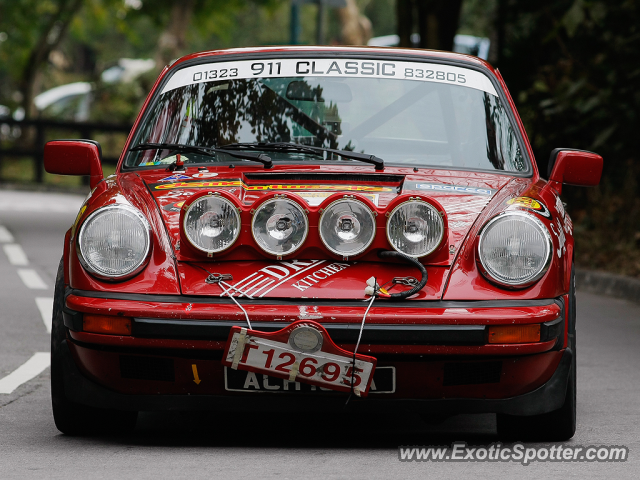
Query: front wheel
pixel 73 418
pixel 560 424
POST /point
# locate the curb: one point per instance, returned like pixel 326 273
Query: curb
pixel 610 284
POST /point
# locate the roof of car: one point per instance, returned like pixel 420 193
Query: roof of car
pixel 413 52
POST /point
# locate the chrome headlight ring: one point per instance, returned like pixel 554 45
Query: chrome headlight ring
pixel 348 227
pixel 433 221
pixel 546 243
pixel 103 274
pixel 283 225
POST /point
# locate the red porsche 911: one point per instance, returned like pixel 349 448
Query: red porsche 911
pixel 314 229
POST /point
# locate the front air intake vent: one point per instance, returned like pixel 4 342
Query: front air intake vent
pixel 147 368
pixel 471 373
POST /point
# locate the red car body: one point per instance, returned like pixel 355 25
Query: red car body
pixel 437 341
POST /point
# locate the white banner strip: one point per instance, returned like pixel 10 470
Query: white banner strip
pixel 327 67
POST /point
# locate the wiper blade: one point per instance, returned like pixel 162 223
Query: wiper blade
pixel 294 147
pixel 256 157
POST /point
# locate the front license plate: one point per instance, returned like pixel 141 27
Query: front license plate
pixel 303 352
pixel 384 381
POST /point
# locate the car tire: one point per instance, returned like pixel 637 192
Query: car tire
pixel 73 418
pixel 556 426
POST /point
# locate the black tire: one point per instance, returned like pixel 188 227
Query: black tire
pixel 73 418
pixel 556 426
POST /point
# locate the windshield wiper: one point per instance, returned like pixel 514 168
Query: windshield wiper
pixel 179 147
pixel 294 147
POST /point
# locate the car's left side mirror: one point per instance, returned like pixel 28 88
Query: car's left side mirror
pixel 74 157
pixel 574 167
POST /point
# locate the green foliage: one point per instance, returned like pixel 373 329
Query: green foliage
pixel 572 66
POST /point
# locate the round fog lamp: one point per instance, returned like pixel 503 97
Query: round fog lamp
pixel 279 226
pixel 212 224
pixel 306 339
pixel 415 228
pixel 347 227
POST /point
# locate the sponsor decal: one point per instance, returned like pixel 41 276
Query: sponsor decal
pixel 204 175
pixel 530 204
pixel 314 199
pixel 239 183
pixel 455 189
pixel 328 67
pixel 560 207
pixel 561 238
pixel 173 207
pixel 296 273
pixel 174 178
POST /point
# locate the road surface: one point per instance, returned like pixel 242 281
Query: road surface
pixel 216 445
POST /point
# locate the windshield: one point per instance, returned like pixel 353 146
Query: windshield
pixel 407 113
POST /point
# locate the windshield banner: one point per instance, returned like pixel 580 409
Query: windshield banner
pixel 327 67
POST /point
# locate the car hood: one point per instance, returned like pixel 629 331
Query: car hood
pixel 463 195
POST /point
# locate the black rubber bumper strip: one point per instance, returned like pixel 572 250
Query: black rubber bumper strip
pixel 396 334
pixel 546 398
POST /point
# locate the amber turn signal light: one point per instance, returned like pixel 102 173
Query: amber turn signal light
pixel 107 324
pixel 514 333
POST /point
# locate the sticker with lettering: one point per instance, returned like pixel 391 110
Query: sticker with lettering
pixel 330 67
pixel 174 178
pixel 204 175
pixel 530 204
pixel 436 187
pixel 239 183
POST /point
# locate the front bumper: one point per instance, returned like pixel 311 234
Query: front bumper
pixel 546 398
pixel 424 341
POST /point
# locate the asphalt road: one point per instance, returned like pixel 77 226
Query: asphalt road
pixel 215 445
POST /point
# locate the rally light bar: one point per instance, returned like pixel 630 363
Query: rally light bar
pixel 282 225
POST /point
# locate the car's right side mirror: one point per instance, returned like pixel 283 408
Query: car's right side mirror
pixel 74 157
pixel 574 167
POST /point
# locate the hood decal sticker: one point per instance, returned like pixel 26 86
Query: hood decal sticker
pixel 439 187
pixel 239 183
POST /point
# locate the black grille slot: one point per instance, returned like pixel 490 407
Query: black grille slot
pixel 147 368
pixel 463 373
pixel 327 177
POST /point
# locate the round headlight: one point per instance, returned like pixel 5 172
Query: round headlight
pixel 279 226
pixel 347 227
pixel 415 228
pixel 212 224
pixel 114 242
pixel 515 249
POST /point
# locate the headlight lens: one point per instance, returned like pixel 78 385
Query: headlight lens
pixel 515 249
pixel 114 242
pixel 212 224
pixel 280 226
pixel 415 228
pixel 347 227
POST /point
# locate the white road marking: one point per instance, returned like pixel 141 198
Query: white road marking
pixel 5 235
pixel 32 368
pixel 31 279
pixel 45 305
pixel 16 254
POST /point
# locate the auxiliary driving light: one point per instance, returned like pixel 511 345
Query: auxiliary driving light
pixel 347 227
pixel 415 228
pixel 212 224
pixel 279 226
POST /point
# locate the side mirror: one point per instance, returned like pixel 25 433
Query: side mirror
pixel 574 167
pixel 74 157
